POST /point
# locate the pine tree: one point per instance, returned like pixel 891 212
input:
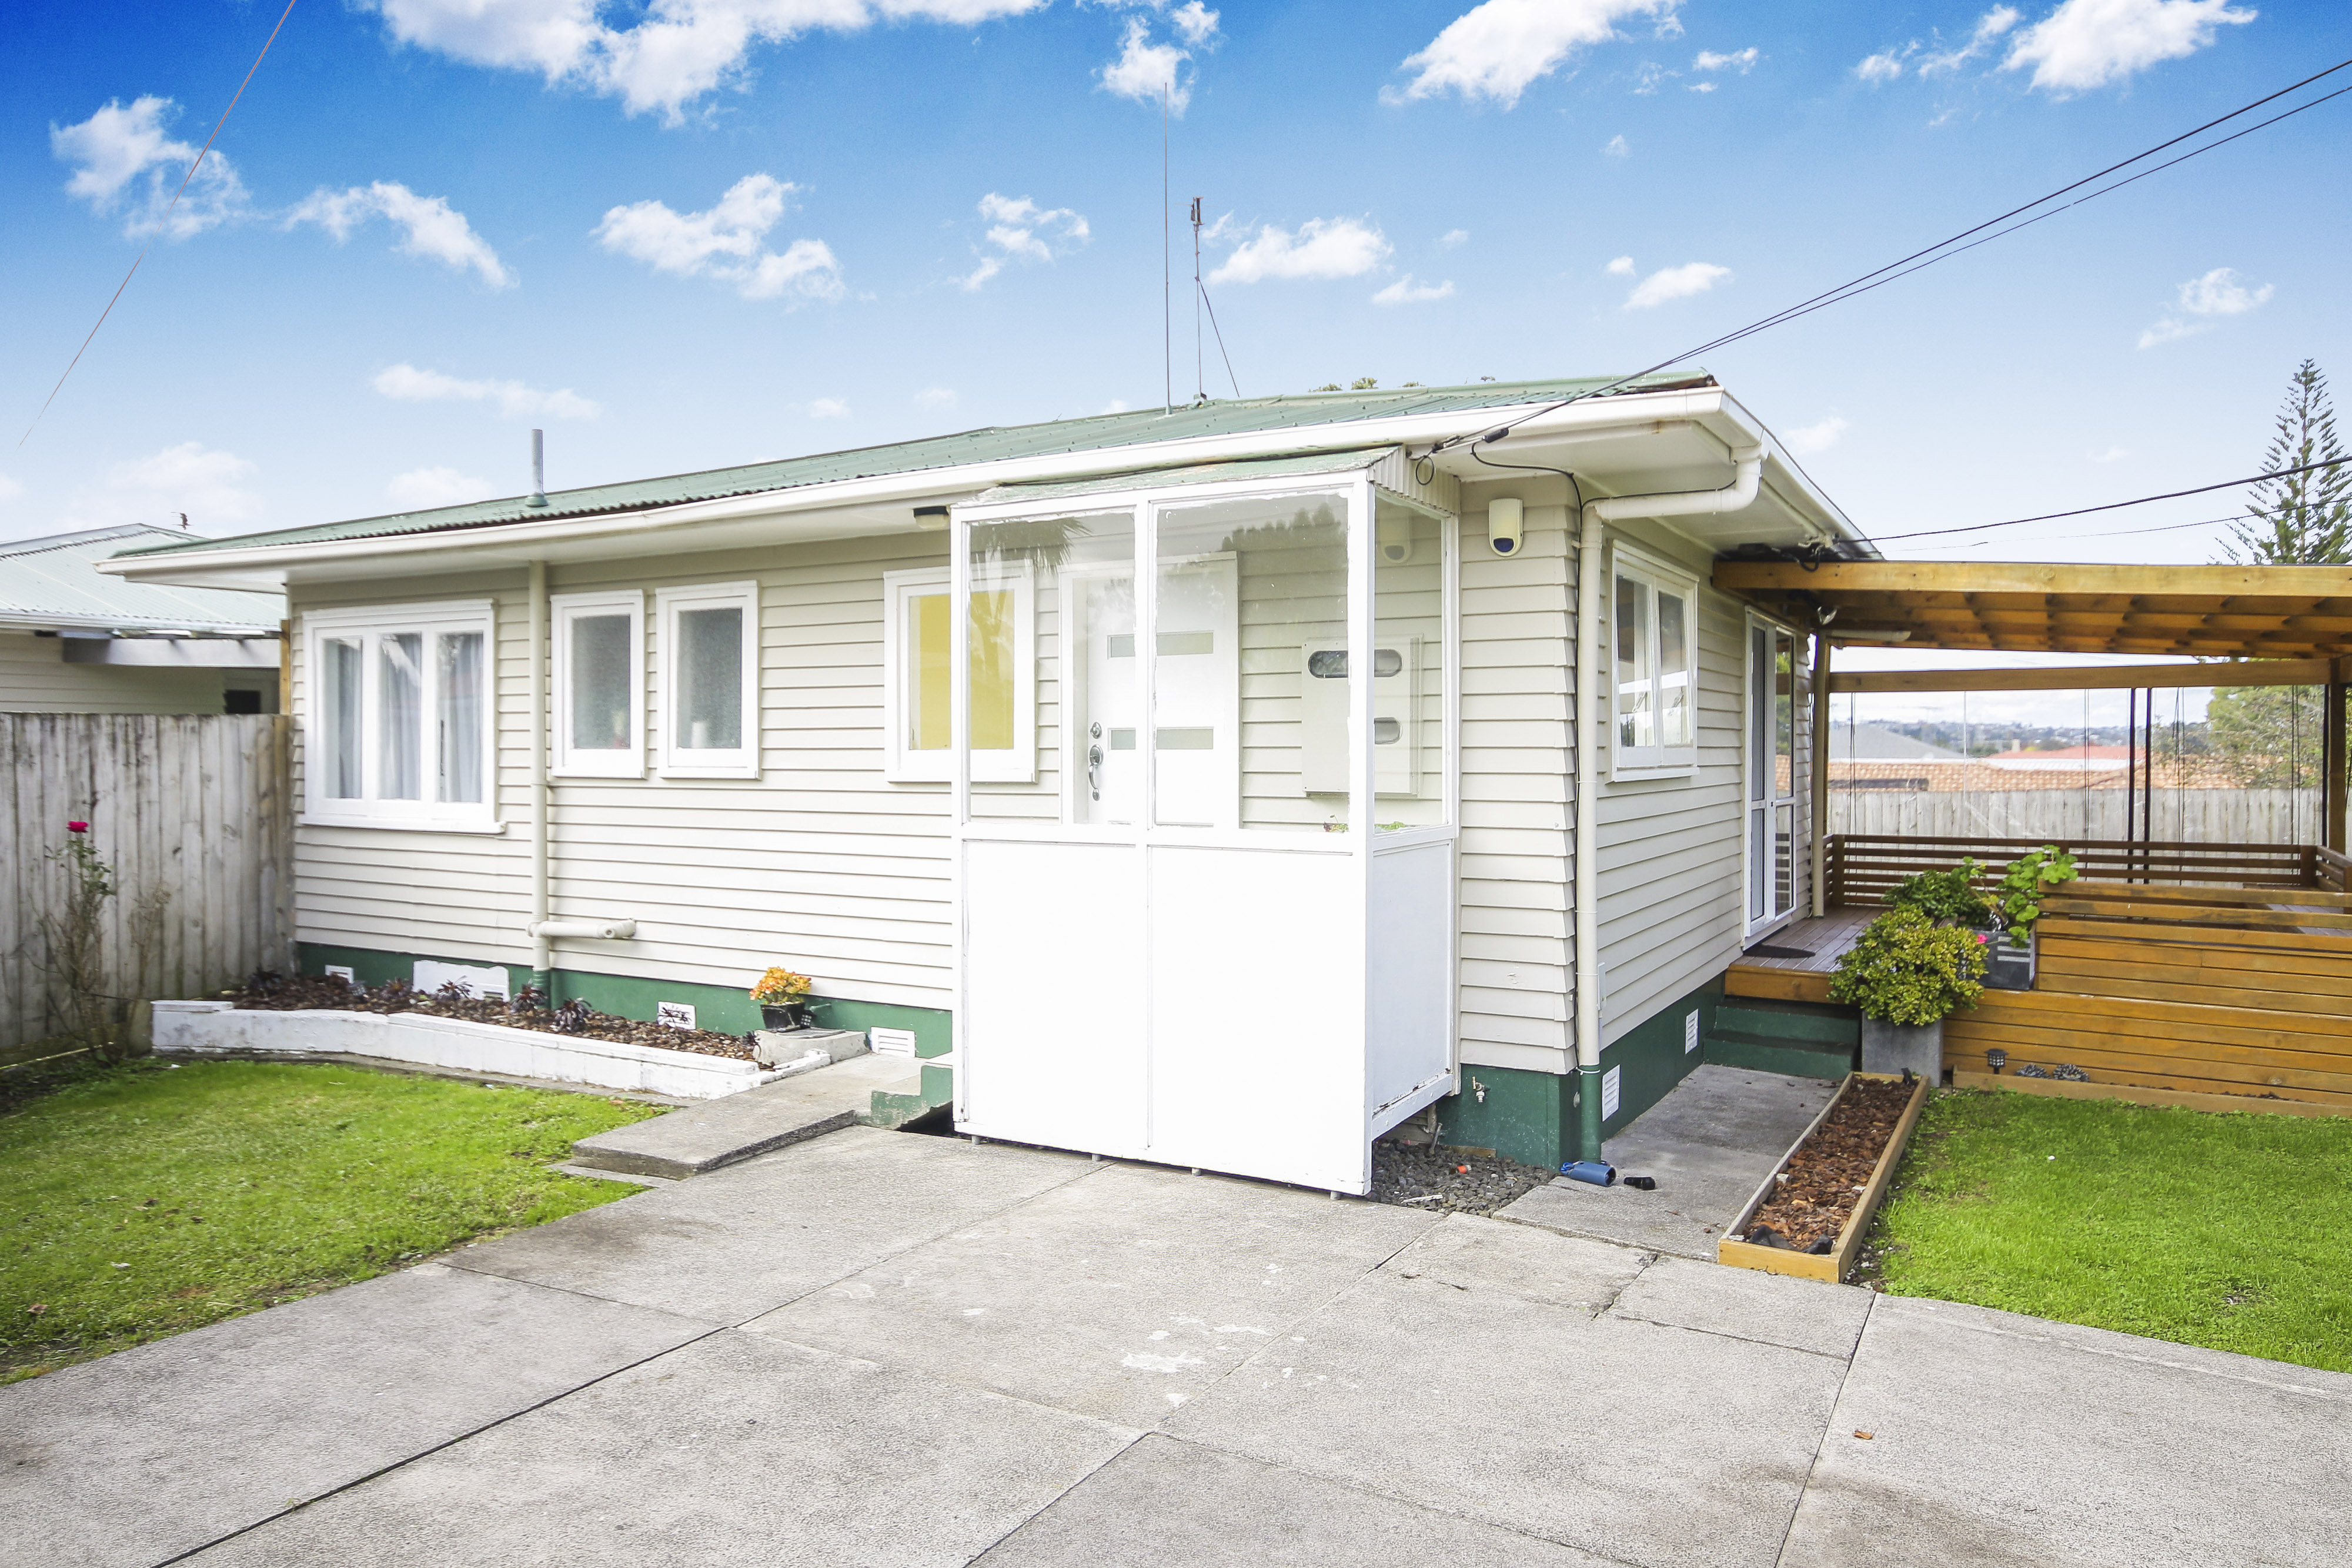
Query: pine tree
pixel 2301 519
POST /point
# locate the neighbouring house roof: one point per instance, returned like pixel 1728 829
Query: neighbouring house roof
pixel 2069 759
pixel 1096 432
pixel 50 584
pixel 1873 743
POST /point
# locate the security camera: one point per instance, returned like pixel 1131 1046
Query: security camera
pixel 1505 520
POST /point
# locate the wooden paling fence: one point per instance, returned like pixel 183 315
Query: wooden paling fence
pixel 2188 816
pixel 195 816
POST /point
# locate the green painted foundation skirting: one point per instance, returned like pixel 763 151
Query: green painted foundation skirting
pixel 626 996
pixel 1531 1117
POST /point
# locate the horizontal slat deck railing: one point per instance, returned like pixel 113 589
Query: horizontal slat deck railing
pixel 1860 868
pixel 192 814
pixel 2163 1004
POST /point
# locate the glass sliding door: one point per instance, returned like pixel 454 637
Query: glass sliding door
pixel 1771 774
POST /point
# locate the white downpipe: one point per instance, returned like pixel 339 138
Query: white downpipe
pixel 541 951
pixel 1591 746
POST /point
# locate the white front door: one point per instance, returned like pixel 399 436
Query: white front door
pixel 1197 736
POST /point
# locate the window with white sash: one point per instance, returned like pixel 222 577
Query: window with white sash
pixel 918 656
pixel 709 661
pixel 599 705
pixel 1654 618
pixel 399 720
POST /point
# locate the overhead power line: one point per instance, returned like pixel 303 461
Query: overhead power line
pixel 159 222
pixel 1944 249
pixel 2113 505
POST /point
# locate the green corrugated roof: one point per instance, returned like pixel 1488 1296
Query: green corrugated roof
pixel 55 581
pixel 996 443
pixel 1285 466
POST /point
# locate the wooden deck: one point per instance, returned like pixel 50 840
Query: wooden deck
pixel 1807 979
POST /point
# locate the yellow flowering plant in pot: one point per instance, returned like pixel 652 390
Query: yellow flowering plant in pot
pixel 783 996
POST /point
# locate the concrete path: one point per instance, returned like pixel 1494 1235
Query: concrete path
pixel 708 1134
pixel 884 1349
pixel 1711 1143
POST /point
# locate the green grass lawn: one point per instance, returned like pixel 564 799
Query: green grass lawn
pixel 2228 1230
pixel 149 1199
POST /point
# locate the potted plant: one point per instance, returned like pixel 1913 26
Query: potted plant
pixel 1906 974
pixel 2028 880
pixel 783 996
pixel 1947 897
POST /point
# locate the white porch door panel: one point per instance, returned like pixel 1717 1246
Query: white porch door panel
pixel 1257 1042
pixel 1054 945
pixel 1409 1021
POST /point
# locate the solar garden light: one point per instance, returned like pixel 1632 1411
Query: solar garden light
pixel 1996 1059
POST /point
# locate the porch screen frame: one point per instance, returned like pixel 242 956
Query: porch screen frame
pixel 1757 760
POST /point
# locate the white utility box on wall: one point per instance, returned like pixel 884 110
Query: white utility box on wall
pixel 1396 717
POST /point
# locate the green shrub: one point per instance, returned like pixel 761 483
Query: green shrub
pixel 1907 969
pixel 1947 897
pixel 2029 877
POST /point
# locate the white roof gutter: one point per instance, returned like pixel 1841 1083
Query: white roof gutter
pixel 523 539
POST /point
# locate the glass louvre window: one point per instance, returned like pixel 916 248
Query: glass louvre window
pixel 1654 614
pixel 919 654
pixel 458 717
pixel 709 674
pixel 341 685
pixel 397 716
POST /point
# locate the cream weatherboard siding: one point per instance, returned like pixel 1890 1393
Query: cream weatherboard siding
pixel 34 678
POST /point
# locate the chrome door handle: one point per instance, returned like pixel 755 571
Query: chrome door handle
pixel 1094 772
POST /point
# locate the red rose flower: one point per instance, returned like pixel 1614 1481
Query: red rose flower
pixel 77 827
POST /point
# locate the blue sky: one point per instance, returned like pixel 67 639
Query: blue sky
pixel 708 232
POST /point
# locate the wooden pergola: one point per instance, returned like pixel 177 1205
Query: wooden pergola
pixel 2280 625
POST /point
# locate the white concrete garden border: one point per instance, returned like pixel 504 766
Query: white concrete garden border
pixel 208 1029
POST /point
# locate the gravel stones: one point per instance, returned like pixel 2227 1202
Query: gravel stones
pixel 1440 1182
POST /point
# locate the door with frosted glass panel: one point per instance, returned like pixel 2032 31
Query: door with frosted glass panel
pixel 1771 784
pixel 1197 736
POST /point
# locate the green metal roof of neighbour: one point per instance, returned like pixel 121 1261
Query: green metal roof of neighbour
pixel 996 443
pixel 54 581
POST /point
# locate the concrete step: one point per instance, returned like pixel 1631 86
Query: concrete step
pixel 710 1134
pixel 1770 1053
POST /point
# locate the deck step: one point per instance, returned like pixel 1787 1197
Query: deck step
pixel 1792 1023
pixel 1767 1053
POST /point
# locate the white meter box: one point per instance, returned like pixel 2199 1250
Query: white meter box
pixel 1323 686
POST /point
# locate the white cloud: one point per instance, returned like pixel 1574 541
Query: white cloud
pixel 1144 70
pixel 1618 147
pixel 1699 86
pixel 1621 267
pixel 2215 295
pixel 123 146
pixel 1820 437
pixel 727 242
pixel 422 489
pixel 10 488
pixel 429 225
pixel 1498 49
pixel 206 483
pixel 1405 291
pixel 2112 454
pixel 1452 238
pixel 828 408
pixel 675 50
pixel 1675 283
pixel 1884 65
pixel 1116 406
pixel 2085 44
pixel 1323 248
pixel 1019 229
pixel 1196 21
pixel 406 383
pixel 1743 60
pixel 936 397
pixel 1989 27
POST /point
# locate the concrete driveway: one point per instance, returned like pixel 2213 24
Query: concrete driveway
pixel 879 1348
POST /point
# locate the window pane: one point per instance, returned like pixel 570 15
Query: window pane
pixel 459 719
pixel 601 677
pixel 995 682
pixel 1634 720
pixel 1759 713
pixel 400 713
pixel 1408 666
pixel 1784 717
pixel 1784 858
pixel 1251 614
pixel 1674 671
pixel 926 657
pixel 1759 865
pixel 340 683
pixel 710 679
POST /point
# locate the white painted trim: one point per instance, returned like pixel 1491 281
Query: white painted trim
pixel 623 762
pixel 716 762
pixel 367 623
pixel 1661 577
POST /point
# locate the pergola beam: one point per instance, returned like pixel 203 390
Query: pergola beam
pixel 2246 673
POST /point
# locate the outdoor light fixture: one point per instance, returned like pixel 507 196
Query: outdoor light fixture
pixel 1996 1059
pixel 932 518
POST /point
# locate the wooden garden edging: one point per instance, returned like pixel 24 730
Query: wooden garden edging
pixel 1831 1266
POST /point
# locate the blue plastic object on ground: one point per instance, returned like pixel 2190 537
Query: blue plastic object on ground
pixel 1593 1171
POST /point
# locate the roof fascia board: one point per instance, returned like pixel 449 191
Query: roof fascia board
pixel 2037 579
pixel 1633 409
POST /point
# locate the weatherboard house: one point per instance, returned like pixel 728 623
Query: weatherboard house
pixel 1223 786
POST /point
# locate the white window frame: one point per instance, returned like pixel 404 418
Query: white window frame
pixel 906 765
pixel 1753 762
pixel 368 623
pixel 1630 762
pixel 715 762
pixel 619 762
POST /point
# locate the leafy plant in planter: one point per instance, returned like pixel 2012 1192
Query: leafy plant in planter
pixel 1945 897
pixel 1907 969
pixel 783 996
pixel 2028 880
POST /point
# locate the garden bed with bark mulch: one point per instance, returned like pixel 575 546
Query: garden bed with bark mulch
pixel 266 992
pixel 1810 1217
